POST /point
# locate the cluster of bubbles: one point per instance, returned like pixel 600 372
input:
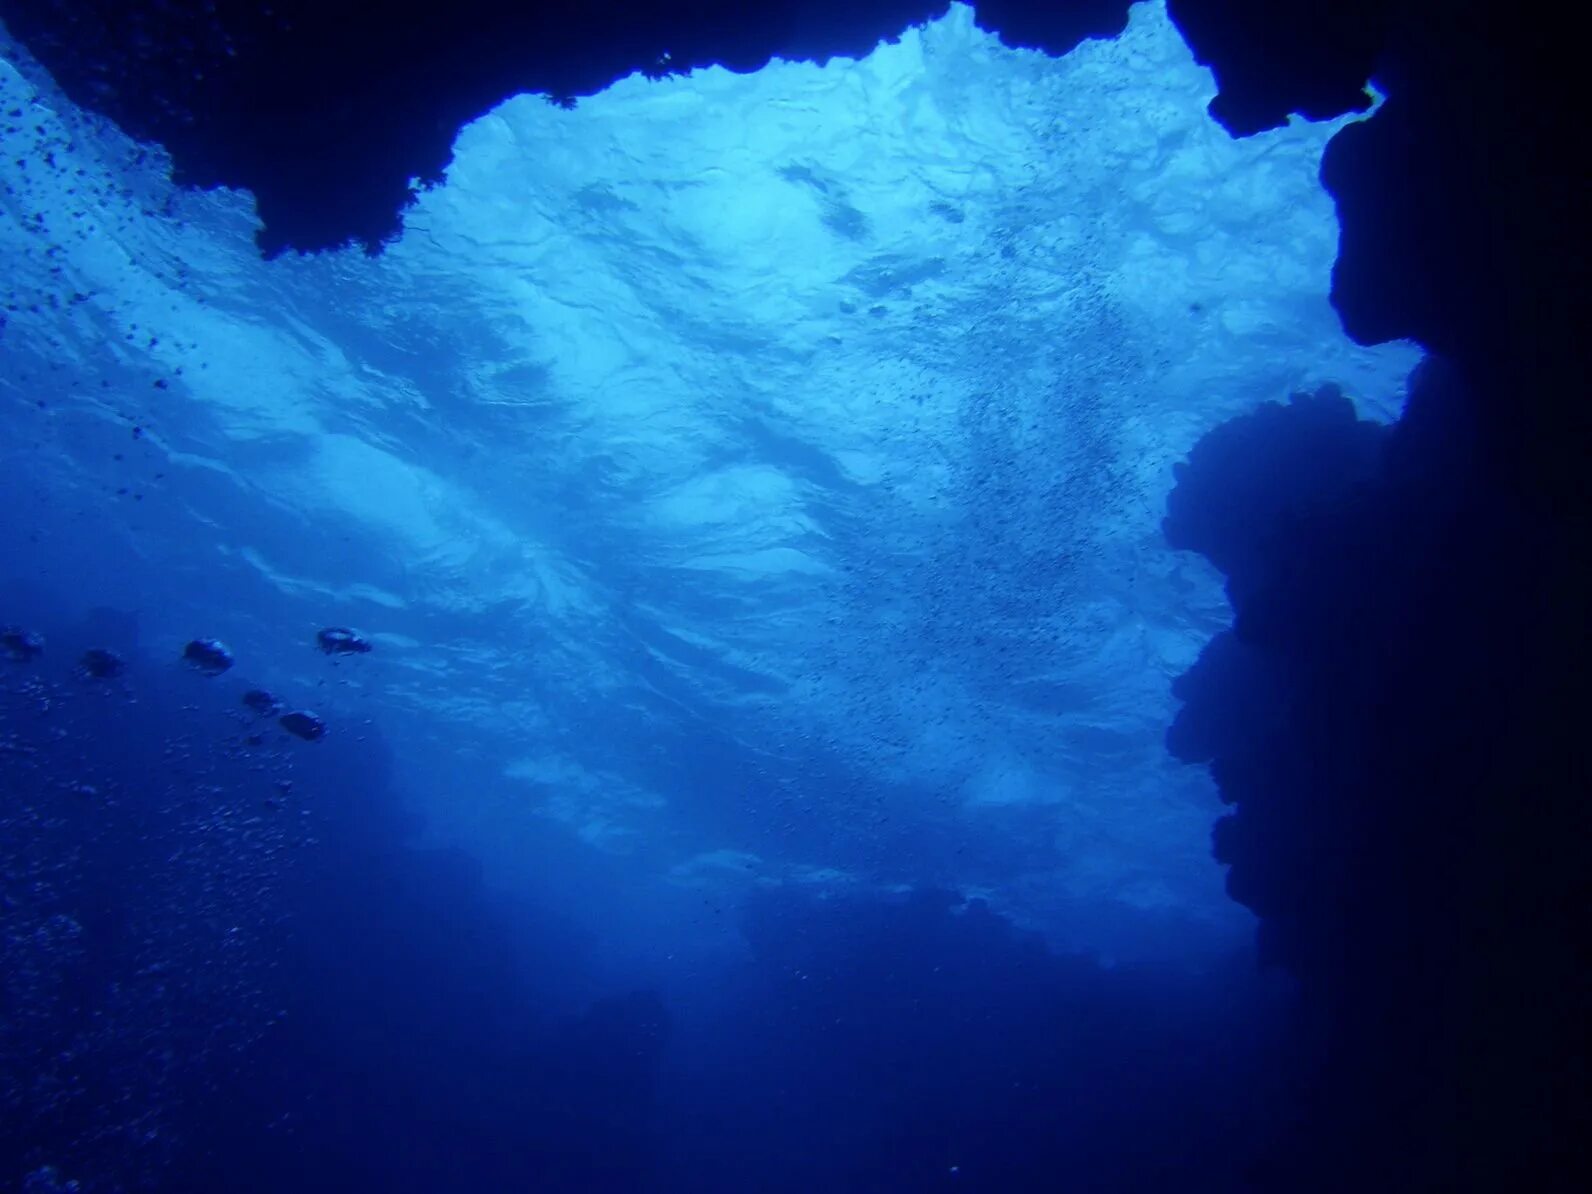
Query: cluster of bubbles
pixel 207 656
pixel 144 849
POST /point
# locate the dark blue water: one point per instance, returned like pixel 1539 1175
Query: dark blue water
pixel 227 970
pixel 751 499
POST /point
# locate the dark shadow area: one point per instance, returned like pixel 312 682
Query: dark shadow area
pixel 922 1043
pixel 1397 717
pixel 1399 713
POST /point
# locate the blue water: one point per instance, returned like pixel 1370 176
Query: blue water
pixel 751 487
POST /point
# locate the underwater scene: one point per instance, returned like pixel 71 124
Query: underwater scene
pixel 691 667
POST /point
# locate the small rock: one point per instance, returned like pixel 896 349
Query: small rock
pixel 303 724
pixel 101 664
pixel 208 655
pixel 339 640
pixel 19 644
